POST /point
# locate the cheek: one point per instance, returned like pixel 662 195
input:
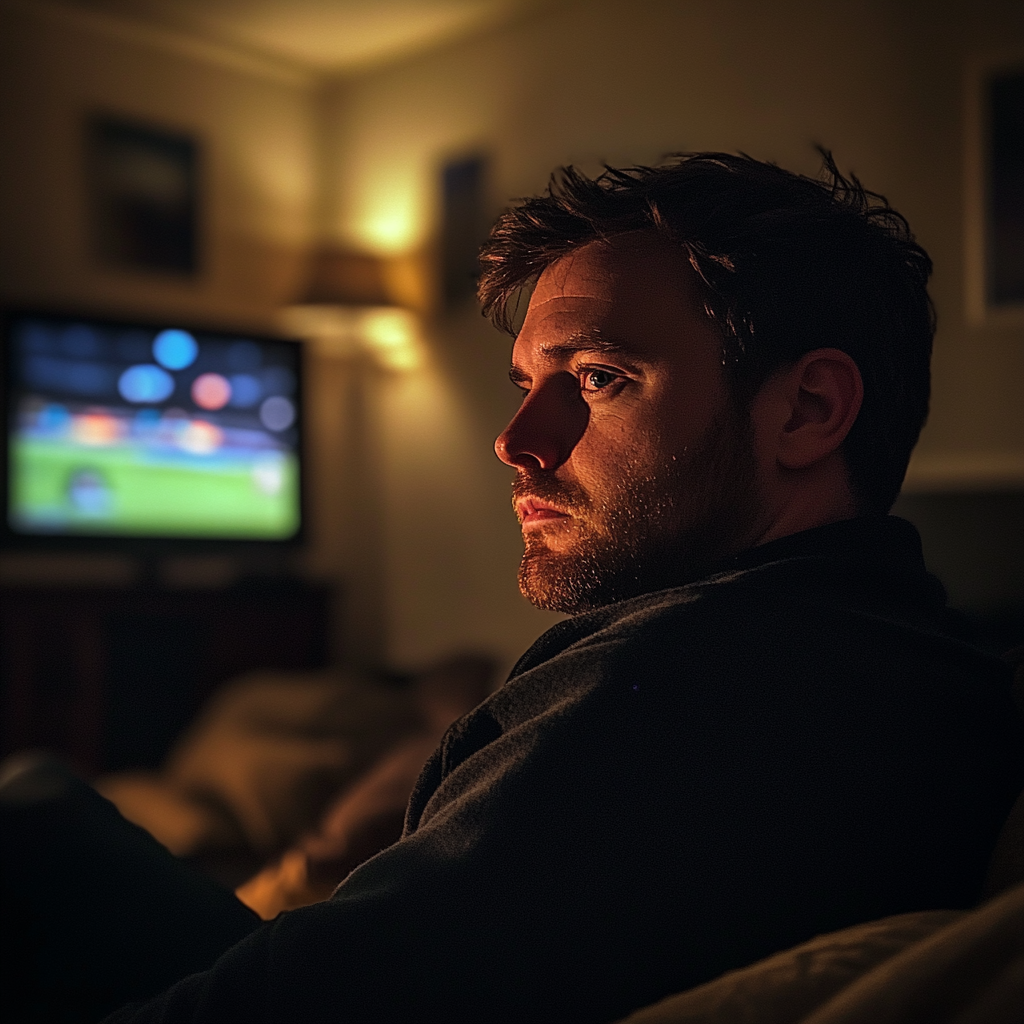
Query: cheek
pixel 686 414
pixel 617 451
pixel 645 438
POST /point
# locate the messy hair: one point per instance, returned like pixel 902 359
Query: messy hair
pixel 787 264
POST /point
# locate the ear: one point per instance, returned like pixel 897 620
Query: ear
pixel 809 406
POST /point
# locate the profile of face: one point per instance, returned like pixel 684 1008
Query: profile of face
pixel 635 469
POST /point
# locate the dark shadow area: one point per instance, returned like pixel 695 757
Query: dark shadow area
pixel 974 543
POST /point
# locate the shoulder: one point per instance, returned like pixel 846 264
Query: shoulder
pixel 796 631
pixel 735 606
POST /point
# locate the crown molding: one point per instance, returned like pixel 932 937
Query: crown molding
pixel 168 40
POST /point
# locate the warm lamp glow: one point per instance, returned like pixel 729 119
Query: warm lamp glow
pixel 358 301
pixel 389 233
pixel 332 329
pixel 390 334
pixel 390 211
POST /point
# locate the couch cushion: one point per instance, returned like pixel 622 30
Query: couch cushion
pixel 786 987
pixel 969 972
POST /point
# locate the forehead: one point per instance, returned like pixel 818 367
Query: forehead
pixel 636 290
pixel 614 268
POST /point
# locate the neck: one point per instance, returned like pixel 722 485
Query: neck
pixel 803 499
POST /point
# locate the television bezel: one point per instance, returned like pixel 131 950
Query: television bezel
pixel 140 545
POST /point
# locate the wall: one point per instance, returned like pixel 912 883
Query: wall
pixel 255 125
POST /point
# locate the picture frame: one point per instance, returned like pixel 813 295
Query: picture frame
pixel 994 178
pixel 464 225
pixel 143 189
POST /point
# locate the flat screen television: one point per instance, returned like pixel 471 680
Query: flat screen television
pixel 127 433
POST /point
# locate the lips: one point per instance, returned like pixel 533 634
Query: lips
pixel 535 511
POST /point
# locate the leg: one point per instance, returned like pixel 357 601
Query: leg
pixel 95 912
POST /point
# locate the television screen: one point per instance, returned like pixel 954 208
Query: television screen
pixel 124 430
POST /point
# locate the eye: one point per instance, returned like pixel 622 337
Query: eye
pixel 595 378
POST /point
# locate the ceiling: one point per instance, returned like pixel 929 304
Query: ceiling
pixel 325 36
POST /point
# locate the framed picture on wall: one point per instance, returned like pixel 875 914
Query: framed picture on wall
pixel 464 226
pixel 143 196
pixel 995 190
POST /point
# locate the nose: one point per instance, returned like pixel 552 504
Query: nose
pixel 547 427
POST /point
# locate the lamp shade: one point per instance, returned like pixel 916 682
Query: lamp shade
pixel 341 277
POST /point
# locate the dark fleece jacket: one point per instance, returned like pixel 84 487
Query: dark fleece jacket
pixel 666 788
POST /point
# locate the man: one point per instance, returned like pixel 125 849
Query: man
pixel 761 723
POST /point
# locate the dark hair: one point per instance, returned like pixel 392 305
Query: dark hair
pixel 788 264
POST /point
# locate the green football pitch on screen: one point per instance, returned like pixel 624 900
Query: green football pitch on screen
pixel 65 488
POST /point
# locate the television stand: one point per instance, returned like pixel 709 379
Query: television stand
pixel 108 677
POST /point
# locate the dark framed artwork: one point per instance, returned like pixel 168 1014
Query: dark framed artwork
pixel 1005 188
pixel 995 199
pixel 464 226
pixel 143 185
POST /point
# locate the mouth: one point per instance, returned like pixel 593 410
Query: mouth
pixel 534 512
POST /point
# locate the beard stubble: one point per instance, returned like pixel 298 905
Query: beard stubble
pixel 652 530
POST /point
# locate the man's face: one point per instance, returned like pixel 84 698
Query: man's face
pixel 635 470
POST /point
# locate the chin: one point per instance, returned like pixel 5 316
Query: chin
pixel 573 583
pixel 601 571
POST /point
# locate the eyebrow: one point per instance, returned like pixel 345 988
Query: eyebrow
pixel 578 341
pixel 583 341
